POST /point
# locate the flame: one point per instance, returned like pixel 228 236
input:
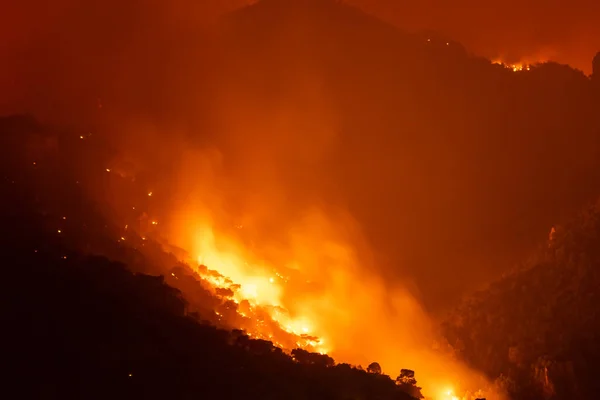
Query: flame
pixel 525 64
pixel 448 394
pixel 515 67
pixel 308 281
pixel 260 286
pixel 314 295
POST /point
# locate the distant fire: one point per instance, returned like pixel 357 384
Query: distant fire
pixel 514 67
pixel 524 64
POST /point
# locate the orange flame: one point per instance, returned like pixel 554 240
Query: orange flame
pixel 320 295
pixel 310 282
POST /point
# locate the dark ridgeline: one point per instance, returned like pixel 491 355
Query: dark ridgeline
pixel 79 325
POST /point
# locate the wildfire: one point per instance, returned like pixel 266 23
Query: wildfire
pixel 521 66
pixel 449 395
pixel 346 320
pixel 259 288
pixel 311 290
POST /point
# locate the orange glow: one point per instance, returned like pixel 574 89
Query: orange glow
pixel 253 283
pixel 314 287
pixel 448 394
pixel 514 67
pixel 525 64
pixel 353 317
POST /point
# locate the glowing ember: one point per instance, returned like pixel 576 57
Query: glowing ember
pixel 521 66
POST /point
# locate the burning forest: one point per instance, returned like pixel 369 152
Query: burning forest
pixel 306 312
pixel 294 200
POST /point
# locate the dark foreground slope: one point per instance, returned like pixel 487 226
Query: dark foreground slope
pixel 77 325
pixel 538 329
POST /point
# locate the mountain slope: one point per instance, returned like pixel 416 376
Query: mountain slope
pixel 539 327
pixel 425 144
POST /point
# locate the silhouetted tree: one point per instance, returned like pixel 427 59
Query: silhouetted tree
pixel 374 368
pixel 406 380
pixel 308 358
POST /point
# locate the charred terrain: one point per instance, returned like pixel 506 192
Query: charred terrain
pixel 140 157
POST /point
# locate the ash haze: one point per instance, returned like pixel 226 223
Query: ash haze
pixel 331 104
pixel 396 171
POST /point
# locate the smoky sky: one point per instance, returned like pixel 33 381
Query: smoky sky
pixel 62 61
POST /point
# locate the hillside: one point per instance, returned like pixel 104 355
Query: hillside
pixel 428 146
pixel 359 180
pixel 81 324
pixel 537 329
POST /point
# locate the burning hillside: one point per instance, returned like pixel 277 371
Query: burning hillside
pixel 310 291
pixel 304 173
pixel 308 283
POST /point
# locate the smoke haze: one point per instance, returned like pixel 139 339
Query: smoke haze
pixel 309 144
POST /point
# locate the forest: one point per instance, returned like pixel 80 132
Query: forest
pixel 475 184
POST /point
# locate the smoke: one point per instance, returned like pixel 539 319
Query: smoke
pixel 252 205
pixel 248 164
pixel 325 272
pixel 241 175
